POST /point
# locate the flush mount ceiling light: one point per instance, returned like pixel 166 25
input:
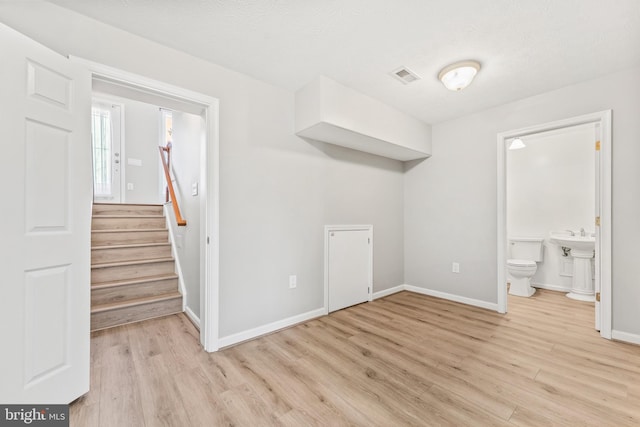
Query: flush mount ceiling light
pixel 459 75
pixel 516 144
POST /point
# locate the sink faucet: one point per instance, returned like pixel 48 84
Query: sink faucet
pixel 582 232
pixel 571 232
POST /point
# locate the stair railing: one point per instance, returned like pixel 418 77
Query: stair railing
pixel 170 191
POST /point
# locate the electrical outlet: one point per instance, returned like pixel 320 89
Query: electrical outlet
pixel 455 267
pixel 293 281
pixel 129 186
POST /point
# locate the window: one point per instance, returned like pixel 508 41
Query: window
pixel 101 139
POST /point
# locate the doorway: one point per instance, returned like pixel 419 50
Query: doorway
pixel 601 123
pixel 127 85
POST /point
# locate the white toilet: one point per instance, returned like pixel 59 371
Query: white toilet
pixel 524 253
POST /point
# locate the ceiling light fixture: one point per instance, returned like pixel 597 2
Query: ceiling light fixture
pixel 459 75
pixel 516 144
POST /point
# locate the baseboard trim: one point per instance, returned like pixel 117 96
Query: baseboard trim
pixel 192 316
pixel 285 323
pixel 268 328
pixel 452 297
pixel 625 336
pixel 386 292
pixel 551 287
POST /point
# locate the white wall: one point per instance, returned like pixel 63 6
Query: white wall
pixel 551 187
pixel 451 198
pixel 141 140
pixel 188 136
pixel 277 191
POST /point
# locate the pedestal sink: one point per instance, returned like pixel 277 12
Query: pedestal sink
pixel 582 251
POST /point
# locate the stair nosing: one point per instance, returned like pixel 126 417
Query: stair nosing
pixel 100 216
pixel 135 262
pixel 127 230
pixel 132 245
pixel 101 308
pixel 127 282
pixel 128 204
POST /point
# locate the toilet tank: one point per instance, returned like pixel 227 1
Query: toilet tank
pixel 529 248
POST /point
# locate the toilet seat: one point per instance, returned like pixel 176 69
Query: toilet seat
pixel 521 263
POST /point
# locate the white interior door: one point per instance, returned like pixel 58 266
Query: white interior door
pixel 45 170
pixel 349 267
pixel 106 143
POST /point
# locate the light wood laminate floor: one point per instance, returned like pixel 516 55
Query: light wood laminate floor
pixel 406 359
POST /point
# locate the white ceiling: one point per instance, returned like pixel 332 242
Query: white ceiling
pixel 525 47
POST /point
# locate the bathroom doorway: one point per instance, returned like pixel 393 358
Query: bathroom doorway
pixel 538 217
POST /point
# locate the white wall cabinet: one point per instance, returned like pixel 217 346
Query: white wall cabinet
pixel 330 112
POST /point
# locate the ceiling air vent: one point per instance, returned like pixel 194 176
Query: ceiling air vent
pixel 405 75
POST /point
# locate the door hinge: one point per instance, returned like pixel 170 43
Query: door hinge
pixel 369 240
pixel 368 289
pixel 597 145
pixel 598 296
pixel 597 221
pixel 207 240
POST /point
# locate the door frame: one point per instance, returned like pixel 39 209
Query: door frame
pixel 328 229
pixel 603 209
pixel 210 169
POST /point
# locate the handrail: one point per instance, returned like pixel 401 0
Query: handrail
pixel 176 209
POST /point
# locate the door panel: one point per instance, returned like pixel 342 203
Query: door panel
pixel 349 268
pixel 45 170
pixel 46 181
pixel 46 339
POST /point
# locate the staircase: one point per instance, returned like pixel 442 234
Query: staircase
pixel 132 271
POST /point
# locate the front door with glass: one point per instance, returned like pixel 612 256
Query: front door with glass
pixel 106 146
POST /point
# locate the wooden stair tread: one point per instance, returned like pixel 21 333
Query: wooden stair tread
pixel 101 216
pixel 135 262
pixel 131 245
pixel 132 270
pixel 126 282
pixel 134 302
pixel 128 230
pixel 128 204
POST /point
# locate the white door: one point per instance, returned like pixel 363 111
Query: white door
pixel 349 267
pixel 45 170
pixel 106 141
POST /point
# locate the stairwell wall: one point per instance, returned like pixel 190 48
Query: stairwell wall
pixel 186 155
